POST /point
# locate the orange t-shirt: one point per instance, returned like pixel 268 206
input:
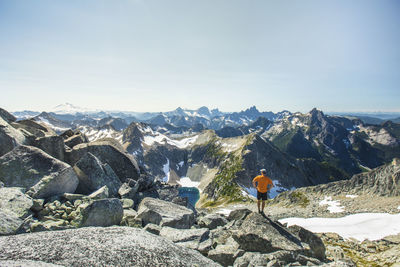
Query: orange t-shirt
pixel 262 183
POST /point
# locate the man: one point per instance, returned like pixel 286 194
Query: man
pixel 263 183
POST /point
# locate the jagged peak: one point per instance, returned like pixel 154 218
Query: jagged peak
pixel 316 111
pixel 252 109
pixel 66 104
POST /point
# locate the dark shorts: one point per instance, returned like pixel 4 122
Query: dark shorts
pixel 262 196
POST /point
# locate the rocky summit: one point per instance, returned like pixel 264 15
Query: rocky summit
pixel 114 191
pixel 97 246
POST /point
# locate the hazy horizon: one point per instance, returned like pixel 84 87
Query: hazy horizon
pixel 153 55
pixel 83 109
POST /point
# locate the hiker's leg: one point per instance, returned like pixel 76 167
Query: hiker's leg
pixel 258 205
pixel 263 205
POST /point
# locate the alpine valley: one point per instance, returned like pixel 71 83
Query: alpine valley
pixel 183 179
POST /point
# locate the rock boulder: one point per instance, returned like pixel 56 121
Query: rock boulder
pixel 165 213
pixel 75 139
pixel 278 258
pixel 198 239
pixel 9 137
pixel 43 175
pixel 260 234
pixel 107 151
pixel 13 199
pixel 97 246
pixel 92 175
pixel 102 212
pixel 34 128
pixel 227 253
pixel 52 145
pixel 212 221
pixel 9 223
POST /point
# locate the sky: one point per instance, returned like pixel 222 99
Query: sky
pixel 147 55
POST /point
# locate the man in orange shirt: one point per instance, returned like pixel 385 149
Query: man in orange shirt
pixel 263 183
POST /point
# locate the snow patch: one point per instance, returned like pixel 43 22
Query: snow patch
pixel 333 205
pixel 147 130
pixel 382 137
pixel 249 191
pixel 45 121
pixel 150 140
pixel 183 143
pixel 181 163
pixel 351 196
pixel 361 226
pixel 136 152
pixel 230 147
pixel 186 182
pixel 163 139
pixel 166 171
pixel 94 134
pixel 55 128
pixel 225 212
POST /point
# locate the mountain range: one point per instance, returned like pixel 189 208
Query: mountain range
pixel 298 149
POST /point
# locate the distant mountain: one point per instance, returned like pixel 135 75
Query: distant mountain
pixel 25 114
pixel 211 119
pixel 371 118
pixel 56 124
pixel 367 119
pixel 345 143
pixel 396 120
pixel 117 123
pixel 68 108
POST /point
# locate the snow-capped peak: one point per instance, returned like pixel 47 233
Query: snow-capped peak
pixel 68 108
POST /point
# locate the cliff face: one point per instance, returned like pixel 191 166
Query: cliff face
pixel 381 181
pixel 261 154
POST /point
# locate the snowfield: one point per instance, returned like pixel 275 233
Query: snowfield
pixel 361 226
pixel 186 182
pixel 333 205
pixel 55 128
pixel 163 139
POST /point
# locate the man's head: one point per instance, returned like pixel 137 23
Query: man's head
pixel 263 171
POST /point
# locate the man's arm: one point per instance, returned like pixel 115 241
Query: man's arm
pixel 254 182
pixel 270 185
